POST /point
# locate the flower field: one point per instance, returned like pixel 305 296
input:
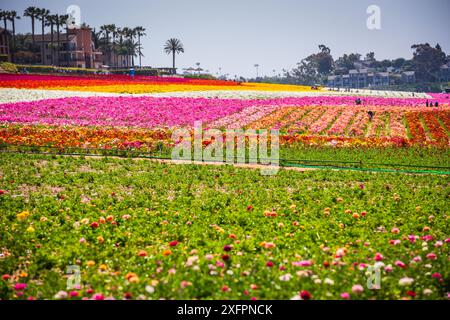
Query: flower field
pixel 142 230
pixel 322 115
pixel 137 229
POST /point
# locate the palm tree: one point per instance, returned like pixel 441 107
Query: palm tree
pixel 128 34
pixel 173 46
pixel 132 46
pixel 105 29
pixel 58 24
pixel 121 46
pixel 51 20
pixel 118 34
pixel 33 13
pixel 12 16
pixel 4 16
pixel 43 14
pixel 140 32
pixel 108 46
pixel 113 30
pixel 63 21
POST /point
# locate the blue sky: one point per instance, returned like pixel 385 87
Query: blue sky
pixel 276 34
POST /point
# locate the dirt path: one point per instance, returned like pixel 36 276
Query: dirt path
pixel 206 163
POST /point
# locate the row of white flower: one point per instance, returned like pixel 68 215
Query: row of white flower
pixel 249 94
pixel 9 95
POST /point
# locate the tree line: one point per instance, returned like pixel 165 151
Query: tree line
pixel 426 63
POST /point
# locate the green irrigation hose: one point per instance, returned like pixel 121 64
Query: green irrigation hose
pixel 368 169
pixel 282 163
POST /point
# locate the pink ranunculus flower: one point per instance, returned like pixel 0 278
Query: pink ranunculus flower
pixel 303 263
pixel 378 256
pixel 357 289
pixel 98 296
pixel 431 256
pixel 438 244
pixel 20 286
pixel 400 264
pixel 405 281
pixel 345 295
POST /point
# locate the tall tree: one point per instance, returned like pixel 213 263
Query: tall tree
pixel 346 62
pixel 122 48
pixel 63 19
pixel 173 46
pixel 313 68
pixel 324 60
pixel 117 46
pixel 58 25
pixel 4 16
pixel 140 32
pixel 105 29
pixel 33 13
pixel 129 34
pixel 427 61
pixel 43 13
pixel 12 16
pixel 370 56
pixel 50 22
pixel 113 30
pixel 105 43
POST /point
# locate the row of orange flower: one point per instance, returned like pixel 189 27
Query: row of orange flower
pixel 424 126
pixel 160 140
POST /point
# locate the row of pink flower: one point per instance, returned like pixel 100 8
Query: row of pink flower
pixel 169 112
pixel 440 97
pixel 325 120
pixel 243 118
pixel 144 112
pixel 396 124
pixel 377 123
pixel 305 121
pixel 350 101
pixel 338 127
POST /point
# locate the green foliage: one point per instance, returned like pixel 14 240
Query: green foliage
pixel 427 61
pixel 137 71
pixel 205 208
pixel 9 67
pixel 52 69
pixel 200 76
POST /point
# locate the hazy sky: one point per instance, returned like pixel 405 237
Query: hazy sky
pixel 276 34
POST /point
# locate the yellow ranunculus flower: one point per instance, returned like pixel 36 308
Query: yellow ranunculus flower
pixel 90 263
pixel 23 215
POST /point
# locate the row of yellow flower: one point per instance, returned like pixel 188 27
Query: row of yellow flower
pixel 156 88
